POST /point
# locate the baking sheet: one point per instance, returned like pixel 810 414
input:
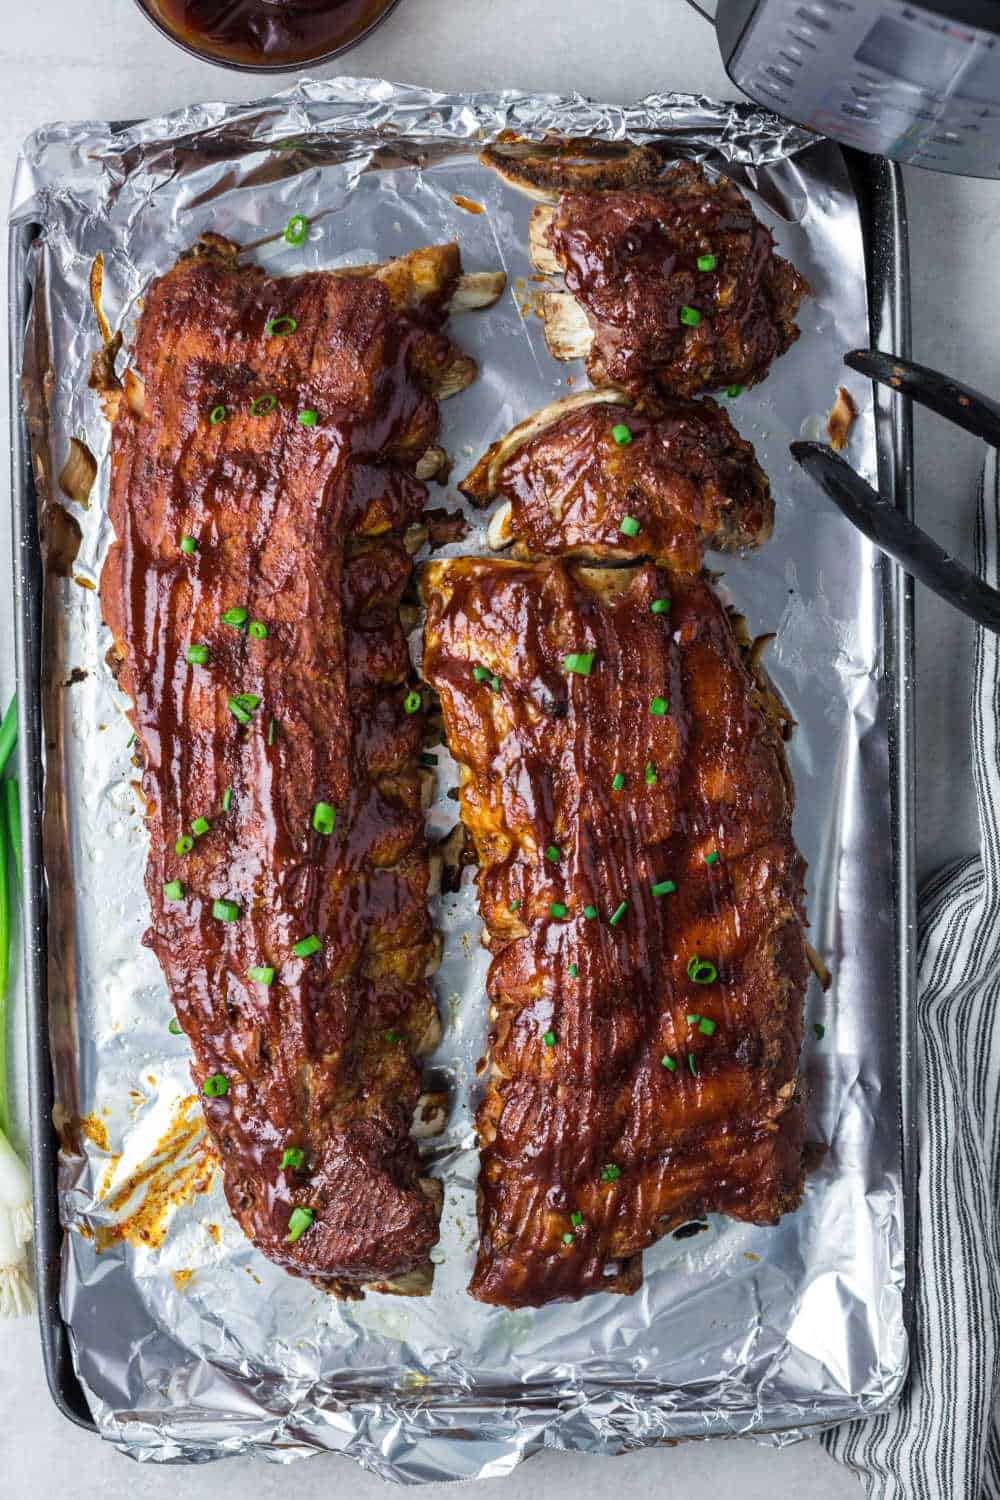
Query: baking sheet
pixel 196 1346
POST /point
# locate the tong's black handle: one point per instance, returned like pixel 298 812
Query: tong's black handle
pixel 880 521
pixel 962 405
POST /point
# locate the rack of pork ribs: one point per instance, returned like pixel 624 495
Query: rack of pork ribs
pixel 270 445
pixel 621 753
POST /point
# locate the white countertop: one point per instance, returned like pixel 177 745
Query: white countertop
pixel 100 59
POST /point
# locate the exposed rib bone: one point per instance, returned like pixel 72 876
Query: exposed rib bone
pixel 480 484
pixel 568 333
pixel 478 289
pixel 542 257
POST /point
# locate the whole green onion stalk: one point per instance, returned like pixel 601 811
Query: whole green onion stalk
pixel 16 1295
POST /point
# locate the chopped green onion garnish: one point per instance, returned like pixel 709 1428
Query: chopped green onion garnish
pixel 225 911
pixel 261 405
pixel 573 971
pixel 659 707
pixel 272 725
pixel 308 418
pixel 629 526
pixel 576 1219
pixel 617 781
pixel 294 1157
pixel 413 702
pixel 215 1085
pixel 514 906
pixel 567 1238
pixel 249 701
pixel 394 1036
pixel 307 947
pixel 174 1026
pixel 495 684
pixel 820 1030
pixel 227 799
pixel 669 1064
pixel 553 854
pixel 710 859
pixel 238 711
pixel 279 328
pixel 174 890
pixel 621 434
pixel 216 415
pixel 664 888
pixel 690 315
pixel 236 616
pixel 580 662
pixel 732 391
pixel 428 760
pixel 185 844
pixel 650 773
pixel 618 913
pixel 258 630
pixel 611 1173
pixel 549 1038
pixel 188 544
pixel 557 909
pixel 324 818
pixel 200 826
pixel 197 656
pixel 131 741
pixel 701 971
pixel 692 1018
pixel 707 262
pixel 692 1064
pixel 659 606
pixel 480 674
pixel 296 229
pixel 590 912
pixel 299 1221
pixel 263 974
pixel 706 1027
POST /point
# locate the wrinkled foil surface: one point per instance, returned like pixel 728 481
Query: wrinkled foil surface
pixel 189 1344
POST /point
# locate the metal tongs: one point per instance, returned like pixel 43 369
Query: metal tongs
pixel 877 518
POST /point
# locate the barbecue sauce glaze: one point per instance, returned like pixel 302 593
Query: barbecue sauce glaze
pixel 267 32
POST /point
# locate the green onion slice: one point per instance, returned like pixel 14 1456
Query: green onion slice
pixel 690 316
pixel 261 974
pixel 280 328
pixel 258 630
pixel 299 1221
pixel 174 890
pixel 185 844
pixel 659 606
pixel 611 1173
pixel 618 913
pixel 650 773
pixel 621 434
pixel 480 674
pixel 567 1238
pixel 659 707
pixel 573 971
pixel 308 418
pixel 294 1157
pixel 553 855
pixel 215 1085
pixel 197 656
pixel 236 616
pixel 188 544
pixel 617 782
pixel 217 414
pixel 576 1219
pixel 227 799
pixel 820 1030
pixel 225 911
pixel 200 826
pixel 692 1064
pixel 590 912
pixel 629 526
pixel 272 725
pixel 558 909
pixel 296 229
pixel 174 1026
pixel 307 946
pixel 706 1026
pixel 580 662
pixel 413 702
pixel 707 262
pixel 549 1038
pixel 701 971
pixel 664 888
pixel 261 405
pixel 324 818
pixel 669 1064
pixel 732 391
pixel 514 906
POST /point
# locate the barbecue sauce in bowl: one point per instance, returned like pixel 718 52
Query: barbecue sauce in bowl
pixel 263 34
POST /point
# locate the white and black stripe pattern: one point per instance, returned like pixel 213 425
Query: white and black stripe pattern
pixel 942 1442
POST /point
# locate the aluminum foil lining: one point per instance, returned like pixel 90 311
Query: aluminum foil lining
pixel 189 1344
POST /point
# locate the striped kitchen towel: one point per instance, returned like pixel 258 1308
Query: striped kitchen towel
pixel 942 1442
